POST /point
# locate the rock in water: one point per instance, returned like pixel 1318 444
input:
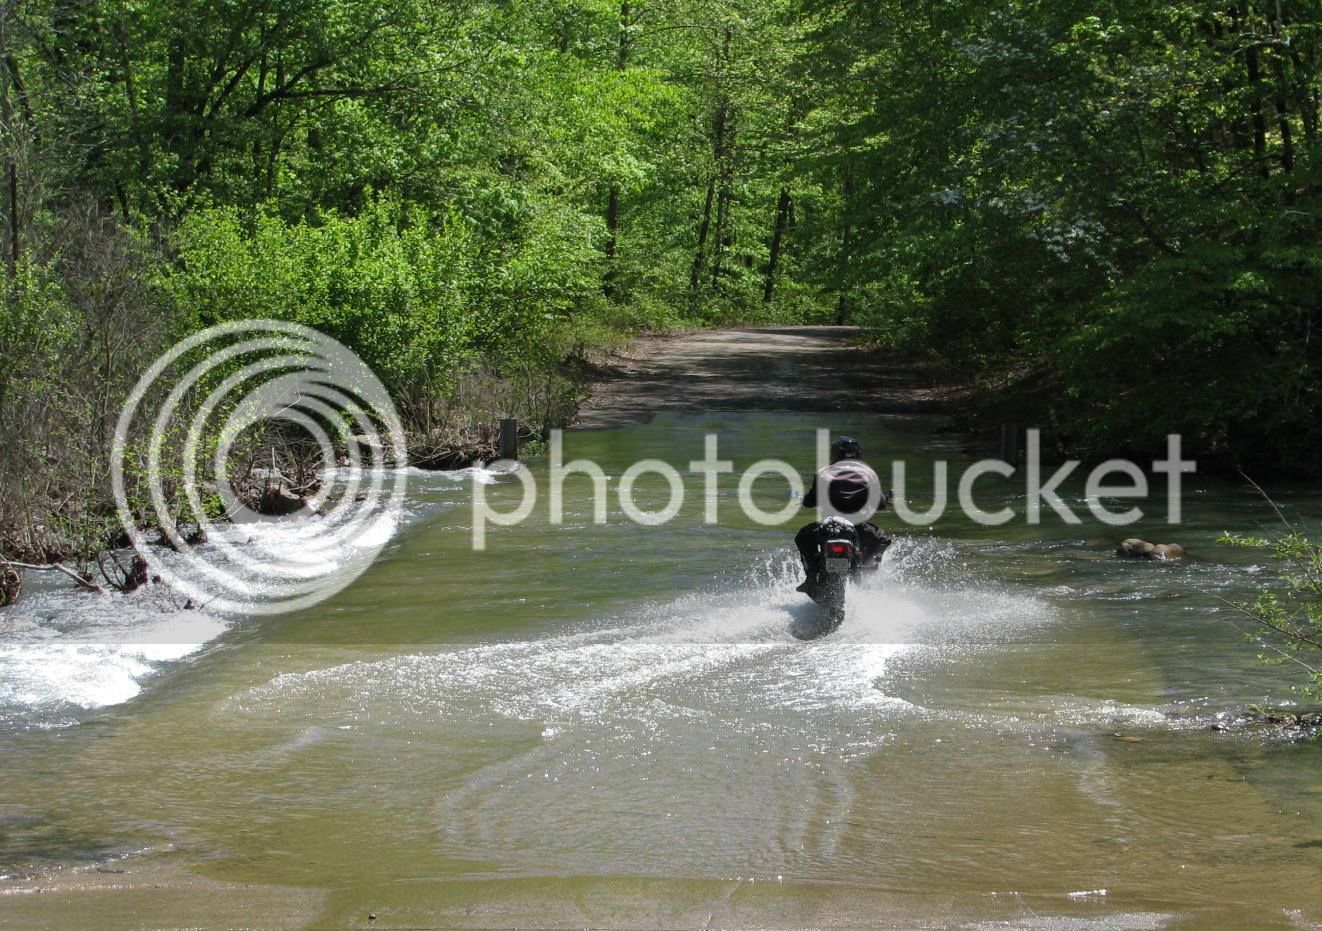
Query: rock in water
pixel 1134 548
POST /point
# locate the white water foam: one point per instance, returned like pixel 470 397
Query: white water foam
pixel 743 639
pixel 65 652
pixel 693 718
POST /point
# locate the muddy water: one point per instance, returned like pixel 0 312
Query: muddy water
pixel 610 725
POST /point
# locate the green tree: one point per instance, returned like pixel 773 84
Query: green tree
pixel 1103 201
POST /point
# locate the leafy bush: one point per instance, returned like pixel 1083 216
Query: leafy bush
pixel 422 299
pixel 1288 618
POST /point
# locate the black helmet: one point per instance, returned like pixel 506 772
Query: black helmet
pixel 845 447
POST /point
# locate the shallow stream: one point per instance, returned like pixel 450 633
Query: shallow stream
pixel 615 725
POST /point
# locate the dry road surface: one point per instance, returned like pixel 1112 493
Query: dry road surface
pixel 761 369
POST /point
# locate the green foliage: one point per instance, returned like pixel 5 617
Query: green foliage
pixel 420 298
pixel 394 292
pixel 1289 617
pixel 1122 200
pixel 37 326
pixel 75 334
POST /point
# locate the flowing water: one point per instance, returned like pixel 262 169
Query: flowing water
pixel 606 725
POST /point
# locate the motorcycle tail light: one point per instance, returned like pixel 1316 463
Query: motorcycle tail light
pixel 837 548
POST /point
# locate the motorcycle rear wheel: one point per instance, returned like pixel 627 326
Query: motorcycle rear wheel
pixel 831 597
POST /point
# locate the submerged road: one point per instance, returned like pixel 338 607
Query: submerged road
pixel 593 724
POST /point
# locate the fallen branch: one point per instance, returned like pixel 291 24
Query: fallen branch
pixel 85 583
pixel 1257 638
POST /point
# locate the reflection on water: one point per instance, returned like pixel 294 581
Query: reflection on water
pixel 1009 723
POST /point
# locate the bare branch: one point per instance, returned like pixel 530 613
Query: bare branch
pixel 1295 635
pixel 83 582
pixel 1258 487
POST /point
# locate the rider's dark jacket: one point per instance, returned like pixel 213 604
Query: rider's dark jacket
pixel 848 483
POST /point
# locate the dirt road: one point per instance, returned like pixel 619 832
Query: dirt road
pixel 761 369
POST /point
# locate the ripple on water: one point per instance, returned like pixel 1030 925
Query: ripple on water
pixel 691 721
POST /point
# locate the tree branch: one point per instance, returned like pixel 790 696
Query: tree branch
pixel 85 583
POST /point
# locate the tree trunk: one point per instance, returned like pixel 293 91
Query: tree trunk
pixel 723 149
pixel 178 114
pixel 1307 101
pixel 612 242
pixel 1282 97
pixel 13 219
pixel 700 258
pixel 1283 119
pixel 1238 130
pixel 777 237
pixel 11 164
pixel 846 246
pixel 613 194
pixel 1258 119
pixel 723 238
pixel 273 160
pixel 135 115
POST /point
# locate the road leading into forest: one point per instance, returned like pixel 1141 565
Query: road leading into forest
pixel 761 369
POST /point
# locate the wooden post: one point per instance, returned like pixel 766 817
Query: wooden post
pixel 1010 443
pixel 509 438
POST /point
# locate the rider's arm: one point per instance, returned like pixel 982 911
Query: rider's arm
pixel 810 496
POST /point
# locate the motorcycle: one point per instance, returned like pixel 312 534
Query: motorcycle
pixel 841 560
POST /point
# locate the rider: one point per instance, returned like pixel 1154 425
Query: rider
pixel 849 486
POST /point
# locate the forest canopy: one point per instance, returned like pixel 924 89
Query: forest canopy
pixel 1106 212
